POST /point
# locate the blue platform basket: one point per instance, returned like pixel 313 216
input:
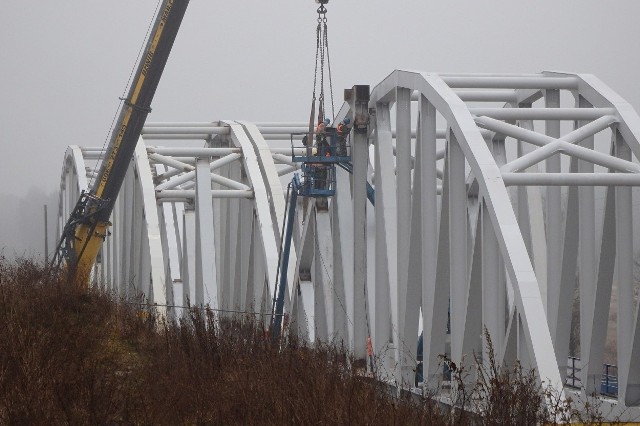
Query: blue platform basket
pixel 318 180
pixel 328 148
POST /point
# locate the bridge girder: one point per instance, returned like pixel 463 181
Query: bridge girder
pixel 471 227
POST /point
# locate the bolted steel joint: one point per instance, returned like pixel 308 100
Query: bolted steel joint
pixel 361 122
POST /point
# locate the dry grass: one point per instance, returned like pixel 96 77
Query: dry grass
pixel 69 356
pixel 72 356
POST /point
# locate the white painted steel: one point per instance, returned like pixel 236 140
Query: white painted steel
pixel 446 234
pixel 215 193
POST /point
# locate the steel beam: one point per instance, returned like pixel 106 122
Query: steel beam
pixel 360 159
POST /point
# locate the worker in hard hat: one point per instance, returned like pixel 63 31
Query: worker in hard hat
pixel 343 126
pixel 343 133
pixel 321 137
pixel 322 127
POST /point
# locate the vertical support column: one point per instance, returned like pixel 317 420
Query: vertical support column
pixel 156 290
pixel 553 208
pixel 410 314
pixel 523 203
pixel 457 245
pixel 524 355
pixel 176 229
pixel 624 258
pixel 359 99
pixel 64 199
pixel 632 394
pixel 103 255
pixel 602 298
pixel 403 218
pixel 342 226
pixel 530 209
pixel 249 304
pixel 188 271
pixel 135 280
pixel 222 228
pixel 46 238
pixel 109 256
pixel 168 280
pixel 262 297
pixel 403 193
pixel 566 291
pixel 435 300
pixel 386 252
pixel 145 261
pixel 126 214
pixel 493 261
pixel 115 246
pixel 587 260
pixel 493 287
pixel 473 331
pixel 324 294
pixel 230 286
pixel 206 274
pixel 245 231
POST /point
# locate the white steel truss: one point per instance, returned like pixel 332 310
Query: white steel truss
pixel 494 196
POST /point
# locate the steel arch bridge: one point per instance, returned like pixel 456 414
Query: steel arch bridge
pixel 495 196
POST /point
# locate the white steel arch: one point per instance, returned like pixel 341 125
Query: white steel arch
pixel 486 214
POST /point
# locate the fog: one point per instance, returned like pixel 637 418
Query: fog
pixel 63 65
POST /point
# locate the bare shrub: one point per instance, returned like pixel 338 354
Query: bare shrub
pixel 69 355
pixel 75 356
pixel 513 395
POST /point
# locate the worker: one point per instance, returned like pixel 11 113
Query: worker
pixel 321 176
pixel 343 127
pixel 343 132
pixel 370 354
pixel 323 147
pixel 321 129
pixel 321 136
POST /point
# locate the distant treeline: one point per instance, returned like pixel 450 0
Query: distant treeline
pixel 22 223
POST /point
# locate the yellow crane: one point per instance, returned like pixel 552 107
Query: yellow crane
pixel 88 224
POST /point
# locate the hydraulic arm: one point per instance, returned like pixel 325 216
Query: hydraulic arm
pixel 89 222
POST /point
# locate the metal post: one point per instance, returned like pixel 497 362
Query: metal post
pixel 46 237
pixel 624 260
pixel 206 269
pixel 278 311
pixel 435 295
pixel 553 207
pixel 358 97
pixel 457 245
pixel 403 219
pixel 587 255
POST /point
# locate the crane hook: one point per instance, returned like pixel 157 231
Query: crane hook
pixel 322 10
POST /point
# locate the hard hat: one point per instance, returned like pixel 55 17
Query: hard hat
pixel 347 120
pixel 327 121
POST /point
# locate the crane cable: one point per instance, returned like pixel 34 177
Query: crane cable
pixel 322 53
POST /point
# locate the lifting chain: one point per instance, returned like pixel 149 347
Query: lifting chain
pixel 322 54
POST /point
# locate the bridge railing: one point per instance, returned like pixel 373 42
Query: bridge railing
pixel 609 384
pixel 573 373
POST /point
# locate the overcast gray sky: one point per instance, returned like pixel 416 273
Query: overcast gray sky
pixel 63 64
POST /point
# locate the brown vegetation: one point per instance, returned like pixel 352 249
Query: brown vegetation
pixel 71 356
pixel 74 356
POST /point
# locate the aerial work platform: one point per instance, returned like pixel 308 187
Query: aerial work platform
pixel 319 156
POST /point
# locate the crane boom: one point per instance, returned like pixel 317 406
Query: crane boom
pixel 88 224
